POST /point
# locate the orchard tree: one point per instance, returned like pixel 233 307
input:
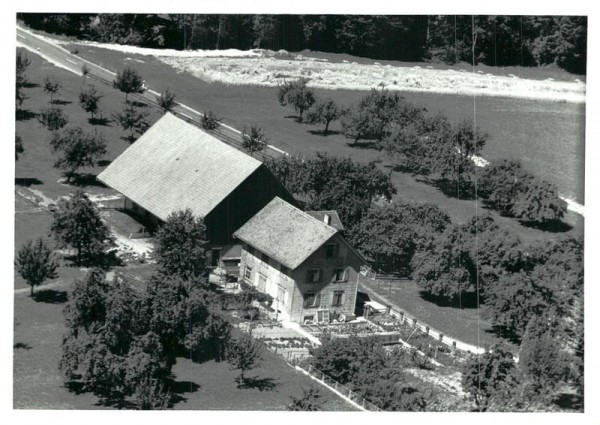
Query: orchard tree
pixel 75 149
pixel 166 100
pixel 18 146
pixel 22 64
pixel 181 244
pixel 389 236
pixel 53 118
pixel 324 112
pixel 210 120
pixel 254 140
pixel 35 263
pixel 296 94
pixel 310 401
pixel 490 378
pixel 356 124
pixel 51 86
pixel 132 119
pixel 129 81
pixel 244 353
pixel 90 101
pixel 77 224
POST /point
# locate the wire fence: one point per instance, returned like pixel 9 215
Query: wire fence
pixel 346 392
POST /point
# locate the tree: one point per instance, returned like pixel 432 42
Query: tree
pixel 132 119
pixel 490 378
pixel 297 94
pixel 180 247
pixel 35 263
pixel 244 353
pixel 324 111
pixel 210 120
pixel 264 28
pixel 166 100
pixel 51 86
pixel 22 64
pixel 18 146
pixel 310 401
pixel 77 224
pixel 75 149
pixel 90 101
pixel 129 81
pixel 389 236
pixel 53 118
pixel 254 140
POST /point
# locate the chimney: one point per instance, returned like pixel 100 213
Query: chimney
pixel 327 219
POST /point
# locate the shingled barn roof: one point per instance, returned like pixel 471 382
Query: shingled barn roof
pixel 175 165
pixel 285 233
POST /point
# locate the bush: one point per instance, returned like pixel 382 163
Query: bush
pixel 210 120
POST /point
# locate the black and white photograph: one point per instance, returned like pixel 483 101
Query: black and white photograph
pixel 336 212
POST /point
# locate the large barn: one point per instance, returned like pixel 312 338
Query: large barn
pixel 176 165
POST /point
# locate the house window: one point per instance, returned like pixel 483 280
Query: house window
pixel 311 299
pixel 313 276
pixel 339 275
pixel 248 273
pixel 338 298
pixel 330 250
pixel 264 258
pixel 262 282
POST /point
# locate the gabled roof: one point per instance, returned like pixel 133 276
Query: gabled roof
pixel 336 222
pixel 285 233
pixel 175 165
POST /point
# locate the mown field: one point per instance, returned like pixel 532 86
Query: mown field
pixel 39 322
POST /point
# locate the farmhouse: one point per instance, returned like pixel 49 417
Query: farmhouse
pixel 306 265
pixel 176 165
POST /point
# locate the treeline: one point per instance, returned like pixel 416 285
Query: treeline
pixel 490 40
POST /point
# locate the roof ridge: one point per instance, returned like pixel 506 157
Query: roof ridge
pixel 307 215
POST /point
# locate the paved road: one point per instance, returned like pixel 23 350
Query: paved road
pixel 61 57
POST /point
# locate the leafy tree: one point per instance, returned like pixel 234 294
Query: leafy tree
pixel 324 111
pixel 296 94
pixel 328 182
pixel 356 124
pixel 254 140
pixel 35 263
pixel 53 118
pixel 22 64
pixel 90 101
pixel 543 363
pixel 264 28
pixel 395 396
pixel 18 146
pixel 180 247
pixel 129 81
pixel 76 149
pixel 166 100
pixel 490 377
pixel 85 70
pixel 389 236
pixel 210 120
pixel 310 401
pixel 132 119
pixel 51 86
pixel 77 223
pixel 446 269
pixel 244 353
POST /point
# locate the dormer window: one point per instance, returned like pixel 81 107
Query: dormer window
pixel 313 276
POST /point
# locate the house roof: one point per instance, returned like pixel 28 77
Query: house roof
pixel 175 165
pixel 285 233
pixel 336 222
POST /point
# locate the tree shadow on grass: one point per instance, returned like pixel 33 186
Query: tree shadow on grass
pixel 103 163
pixel 50 296
pixel 138 104
pixel 467 300
pixel 30 85
pixel 24 115
pixel 361 144
pixel 552 226
pixel 27 181
pixel 322 132
pixel 504 333
pixel 61 102
pixel 99 121
pixel 179 388
pixel 86 179
pixel 22 346
pixel 261 384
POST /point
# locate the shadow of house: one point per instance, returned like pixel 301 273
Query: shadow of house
pixel 176 165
